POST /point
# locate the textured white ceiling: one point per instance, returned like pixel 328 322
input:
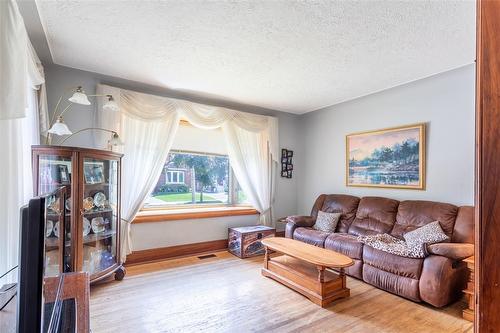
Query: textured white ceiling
pixel 292 56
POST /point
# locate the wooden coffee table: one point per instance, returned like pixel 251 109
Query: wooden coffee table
pixel 303 268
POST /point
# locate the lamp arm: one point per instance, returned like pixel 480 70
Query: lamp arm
pixel 65 109
pixel 54 115
pixel 53 118
pixel 87 129
pixel 101 95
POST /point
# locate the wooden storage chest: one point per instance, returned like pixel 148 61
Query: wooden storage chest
pixel 245 242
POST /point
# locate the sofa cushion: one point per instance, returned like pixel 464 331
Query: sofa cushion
pixel 463 232
pixel 310 236
pixel 345 244
pixel 413 214
pixel 402 266
pixel 375 215
pixel 326 222
pixel 341 203
pixel 355 270
pixel 400 285
pixel 428 234
pixel 317 205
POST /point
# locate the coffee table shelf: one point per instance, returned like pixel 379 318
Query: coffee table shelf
pixel 303 268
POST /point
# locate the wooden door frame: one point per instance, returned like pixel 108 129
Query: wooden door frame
pixel 487 173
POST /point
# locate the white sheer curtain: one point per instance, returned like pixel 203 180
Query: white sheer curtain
pixel 253 167
pixel 22 112
pixel 147 141
pixel 252 144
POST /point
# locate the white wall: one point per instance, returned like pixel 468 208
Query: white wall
pixel 169 233
pixel 445 102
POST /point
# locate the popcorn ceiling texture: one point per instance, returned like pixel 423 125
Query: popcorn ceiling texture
pixel 283 55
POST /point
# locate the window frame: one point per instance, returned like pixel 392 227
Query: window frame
pixel 232 195
pixel 178 173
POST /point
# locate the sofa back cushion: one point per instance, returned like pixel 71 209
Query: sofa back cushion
pixel 463 232
pixel 318 204
pixel 337 203
pixel 413 214
pixel 375 215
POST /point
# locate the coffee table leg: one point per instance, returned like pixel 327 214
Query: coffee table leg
pixel 342 276
pixel 321 274
pixel 266 258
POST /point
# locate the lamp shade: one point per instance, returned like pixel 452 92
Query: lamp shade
pixel 60 128
pixel 111 105
pixel 79 97
pixel 115 140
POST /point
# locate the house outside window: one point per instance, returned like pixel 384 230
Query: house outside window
pixel 195 179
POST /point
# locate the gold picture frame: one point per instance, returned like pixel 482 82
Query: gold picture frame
pixel 386 158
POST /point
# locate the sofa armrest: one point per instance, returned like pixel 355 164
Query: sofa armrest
pixel 454 251
pixel 442 280
pixel 292 222
pixel 301 221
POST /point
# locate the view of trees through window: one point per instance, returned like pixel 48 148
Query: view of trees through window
pixel 194 178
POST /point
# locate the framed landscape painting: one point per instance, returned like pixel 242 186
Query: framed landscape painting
pixel 392 157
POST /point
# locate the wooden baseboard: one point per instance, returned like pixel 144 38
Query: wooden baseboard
pixel 142 256
pixel 162 253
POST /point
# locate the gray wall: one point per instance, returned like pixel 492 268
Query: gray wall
pixel 444 101
pixel 61 78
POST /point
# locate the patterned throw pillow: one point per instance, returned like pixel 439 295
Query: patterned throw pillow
pixel 393 245
pixel 428 234
pixel 327 222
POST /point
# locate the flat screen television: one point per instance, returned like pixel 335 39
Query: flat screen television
pixel 30 307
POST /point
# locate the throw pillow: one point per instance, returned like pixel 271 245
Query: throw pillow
pixel 428 234
pixel 327 222
pixel 393 245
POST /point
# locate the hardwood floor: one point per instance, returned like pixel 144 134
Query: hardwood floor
pixel 228 294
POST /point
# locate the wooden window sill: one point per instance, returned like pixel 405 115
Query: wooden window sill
pixel 149 216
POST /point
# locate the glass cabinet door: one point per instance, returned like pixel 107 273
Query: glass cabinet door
pixel 99 214
pixel 54 172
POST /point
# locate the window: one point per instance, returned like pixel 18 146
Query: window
pixel 174 176
pixel 195 179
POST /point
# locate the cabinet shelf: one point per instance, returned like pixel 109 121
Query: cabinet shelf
pixel 52 242
pixel 90 238
pixel 96 212
pixel 55 184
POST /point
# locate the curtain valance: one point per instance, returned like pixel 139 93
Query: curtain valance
pixel 148 107
pixel 19 68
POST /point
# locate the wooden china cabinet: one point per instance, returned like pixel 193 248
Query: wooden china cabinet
pixel 90 211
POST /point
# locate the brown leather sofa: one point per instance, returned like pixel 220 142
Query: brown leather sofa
pixel 437 279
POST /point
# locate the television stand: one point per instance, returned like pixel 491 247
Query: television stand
pixel 77 289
